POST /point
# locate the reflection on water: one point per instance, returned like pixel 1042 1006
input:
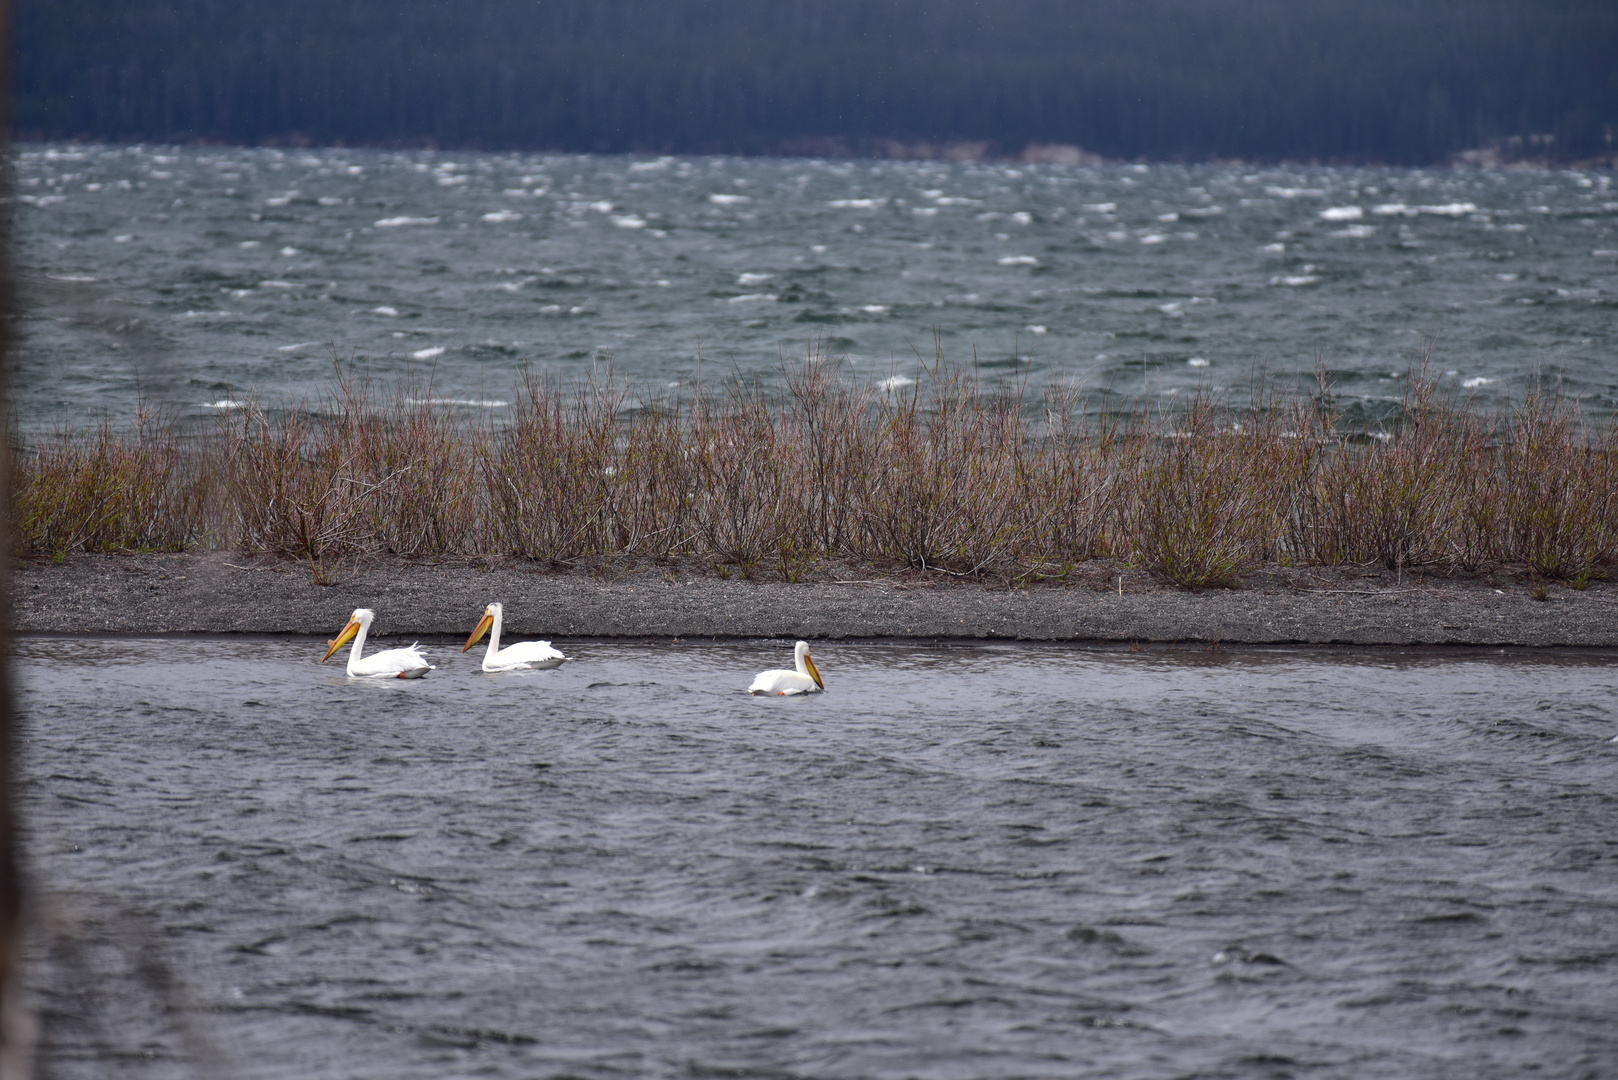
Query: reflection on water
pixel 957 862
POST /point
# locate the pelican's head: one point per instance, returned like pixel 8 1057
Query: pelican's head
pixel 360 620
pixel 490 613
pixel 806 664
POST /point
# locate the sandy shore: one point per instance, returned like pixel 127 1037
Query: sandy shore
pixel 228 593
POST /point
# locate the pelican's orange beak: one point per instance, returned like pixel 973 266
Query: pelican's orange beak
pixel 814 672
pixel 479 630
pixel 341 639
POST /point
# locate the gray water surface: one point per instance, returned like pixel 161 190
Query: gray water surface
pixel 192 276
pixel 958 862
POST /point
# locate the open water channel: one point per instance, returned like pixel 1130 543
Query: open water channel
pixel 957 862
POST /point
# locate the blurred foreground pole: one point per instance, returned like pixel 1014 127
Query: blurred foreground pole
pixel 16 1026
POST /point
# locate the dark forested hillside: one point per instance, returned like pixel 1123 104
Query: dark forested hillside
pixel 1385 80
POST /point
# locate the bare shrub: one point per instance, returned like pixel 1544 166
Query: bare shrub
pixel 945 479
pixel 293 489
pixel 419 469
pixel 738 477
pixel 359 472
pixel 1559 488
pixel 828 446
pixel 551 480
pixel 1069 484
pixel 1390 497
pixel 105 490
pixel 1201 512
pixel 945 475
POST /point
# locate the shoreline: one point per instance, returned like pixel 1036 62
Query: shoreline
pixel 221 592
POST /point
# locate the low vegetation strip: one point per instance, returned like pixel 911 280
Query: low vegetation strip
pixel 948 475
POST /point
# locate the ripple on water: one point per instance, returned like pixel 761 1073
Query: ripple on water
pixel 350 247
pixel 956 862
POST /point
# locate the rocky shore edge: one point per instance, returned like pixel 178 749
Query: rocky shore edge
pixel 223 592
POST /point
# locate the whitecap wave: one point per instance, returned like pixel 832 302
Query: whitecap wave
pixel 396 222
pixel 1455 209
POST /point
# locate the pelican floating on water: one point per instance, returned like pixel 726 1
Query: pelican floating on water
pixel 805 680
pixel 387 664
pixel 519 654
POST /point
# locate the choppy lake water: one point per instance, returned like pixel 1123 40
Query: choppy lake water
pixel 194 275
pixel 959 862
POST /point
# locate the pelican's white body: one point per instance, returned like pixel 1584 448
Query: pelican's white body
pixel 517 655
pixel 803 680
pixel 387 664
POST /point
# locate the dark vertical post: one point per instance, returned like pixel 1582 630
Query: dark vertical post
pixel 14 1048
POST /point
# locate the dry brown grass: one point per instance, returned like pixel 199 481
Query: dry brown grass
pixel 356 473
pixel 108 490
pixel 950 476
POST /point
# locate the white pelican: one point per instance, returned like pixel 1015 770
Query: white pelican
pixel 517 655
pixel 387 664
pixel 805 680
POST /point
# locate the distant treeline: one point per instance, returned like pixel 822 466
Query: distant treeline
pixel 1403 81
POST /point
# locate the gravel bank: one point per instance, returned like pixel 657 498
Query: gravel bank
pixel 227 593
